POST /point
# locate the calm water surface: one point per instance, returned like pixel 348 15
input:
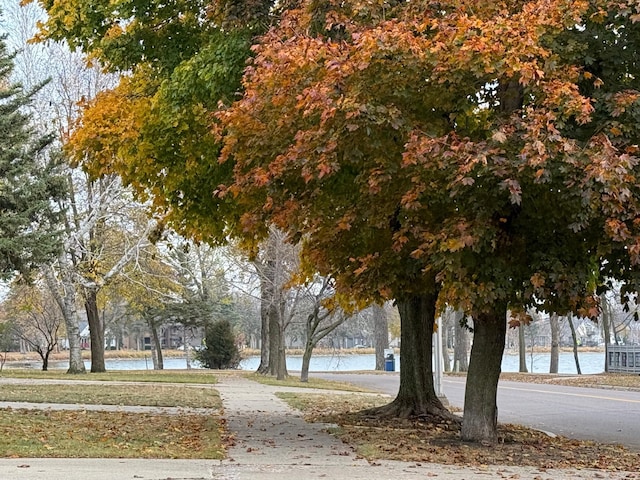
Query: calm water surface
pixel 590 362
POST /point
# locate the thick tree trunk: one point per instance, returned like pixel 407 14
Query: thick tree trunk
pixel 76 364
pixel 480 419
pixel 461 346
pixel 96 332
pixel 277 355
pixel 574 337
pixel 66 300
pixel 522 350
pixel 554 361
pixel 416 395
pixel 380 335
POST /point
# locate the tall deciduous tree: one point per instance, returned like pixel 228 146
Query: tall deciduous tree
pixel 478 159
pixel 326 157
pixel 180 60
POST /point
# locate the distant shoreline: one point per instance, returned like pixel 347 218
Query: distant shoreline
pixel 14 357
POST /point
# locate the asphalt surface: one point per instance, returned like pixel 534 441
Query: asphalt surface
pixel 606 416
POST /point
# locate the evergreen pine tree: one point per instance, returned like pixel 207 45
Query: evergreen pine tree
pixel 28 184
pixel 220 349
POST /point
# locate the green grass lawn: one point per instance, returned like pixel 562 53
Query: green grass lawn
pixel 113 394
pixel 73 434
pixel 83 433
pixel 164 376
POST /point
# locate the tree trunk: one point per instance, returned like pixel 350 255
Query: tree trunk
pixel 480 421
pixel 380 335
pixel 281 357
pixel 265 299
pixel 522 350
pixel 67 303
pixel 574 337
pixel 416 395
pixel 306 360
pixel 461 346
pixel 96 331
pixel 274 342
pixel 158 363
pixel 554 361
pixel 445 325
pixel 187 346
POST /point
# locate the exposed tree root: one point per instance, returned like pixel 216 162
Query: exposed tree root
pixel 426 413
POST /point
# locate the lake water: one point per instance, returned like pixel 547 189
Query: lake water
pixel 590 362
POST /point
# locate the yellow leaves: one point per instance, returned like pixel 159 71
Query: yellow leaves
pixel 114 32
pixel 453 244
pixel 108 126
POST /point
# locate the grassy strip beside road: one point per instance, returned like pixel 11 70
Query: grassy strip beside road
pixel 75 434
pixel 147 395
pixel 377 438
pixel 82 433
pixel 601 380
pixel 163 376
pixel 319 383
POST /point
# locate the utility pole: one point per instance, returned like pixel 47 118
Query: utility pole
pixel 438 362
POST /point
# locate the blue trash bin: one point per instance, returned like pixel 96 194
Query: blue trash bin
pixel 390 363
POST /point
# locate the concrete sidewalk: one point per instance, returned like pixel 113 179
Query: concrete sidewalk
pixel 271 441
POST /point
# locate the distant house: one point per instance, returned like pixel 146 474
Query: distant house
pixel 85 338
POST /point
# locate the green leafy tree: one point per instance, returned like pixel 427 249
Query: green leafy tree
pixel 28 182
pixel 220 350
pixel 180 60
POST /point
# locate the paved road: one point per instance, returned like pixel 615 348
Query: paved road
pixel 608 416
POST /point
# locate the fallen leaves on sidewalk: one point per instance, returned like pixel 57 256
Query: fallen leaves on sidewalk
pixel 419 441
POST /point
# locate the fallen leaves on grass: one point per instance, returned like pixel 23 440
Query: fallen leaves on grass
pixel 157 395
pixel 318 383
pixel 421 441
pixel 49 433
pixel 600 380
pixel 154 376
